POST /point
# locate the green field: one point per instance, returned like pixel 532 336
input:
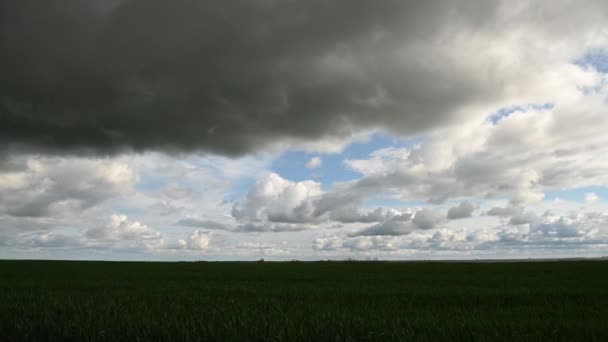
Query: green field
pixel 57 300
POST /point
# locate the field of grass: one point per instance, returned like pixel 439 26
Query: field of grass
pixel 57 300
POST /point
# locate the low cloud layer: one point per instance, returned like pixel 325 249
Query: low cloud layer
pixel 546 235
pixel 119 233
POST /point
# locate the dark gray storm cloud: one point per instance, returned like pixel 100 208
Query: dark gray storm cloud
pixel 226 76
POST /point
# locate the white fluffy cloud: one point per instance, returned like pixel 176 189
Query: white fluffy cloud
pixel 119 233
pixel 50 240
pixel 275 199
pixel 36 186
pixel 549 232
pixel 314 162
pixel 122 230
pixel 197 240
pixel 359 243
pixel 261 249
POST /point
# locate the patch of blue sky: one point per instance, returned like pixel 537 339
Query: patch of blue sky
pixel 125 207
pixel 506 111
pixel 238 190
pixel 151 183
pixel 596 59
pixel 578 194
pixel 68 230
pixel 292 164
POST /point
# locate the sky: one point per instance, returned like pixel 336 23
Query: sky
pixel 240 130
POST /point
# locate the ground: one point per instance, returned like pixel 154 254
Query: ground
pixel 238 301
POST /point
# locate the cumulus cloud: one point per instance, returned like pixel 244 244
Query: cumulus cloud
pixel 50 240
pixel 521 155
pixel 591 197
pixel 235 77
pixel 37 186
pixel 547 230
pixel 463 210
pixel 523 217
pixel 277 204
pixel 397 223
pixel 426 218
pixel 264 249
pixel 120 233
pixel 350 214
pixel 504 211
pixel 245 224
pixel 267 226
pixel 360 243
pixel 573 229
pixel 388 227
pixel 197 240
pixel 279 200
pixel 548 233
pixel 124 231
pixel 314 162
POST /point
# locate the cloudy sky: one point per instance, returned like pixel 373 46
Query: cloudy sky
pixel 222 130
